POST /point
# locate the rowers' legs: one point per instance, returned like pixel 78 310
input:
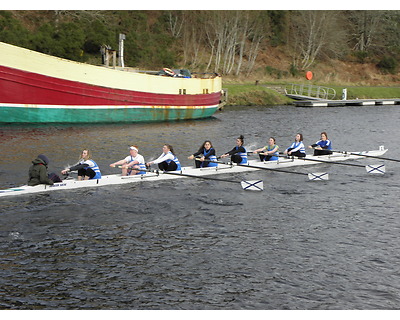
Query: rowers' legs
pixel 89 174
pixel 164 166
pixel 198 164
pixel 81 174
pixel 236 158
pixel 133 170
pixel 321 152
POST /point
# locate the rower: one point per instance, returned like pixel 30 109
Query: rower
pixel 238 154
pixel 86 167
pixel 269 152
pixel 323 146
pixel 167 161
pixel 207 156
pixel 297 147
pixel 132 164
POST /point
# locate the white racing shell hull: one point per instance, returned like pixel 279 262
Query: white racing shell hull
pixel 117 179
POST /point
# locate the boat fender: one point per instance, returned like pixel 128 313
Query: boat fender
pixel 169 72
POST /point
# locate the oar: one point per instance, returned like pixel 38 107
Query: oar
pixel 377 168
pixel 367 156
pixel 254 185
pixel 311 176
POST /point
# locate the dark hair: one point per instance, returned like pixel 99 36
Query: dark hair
pixel 301 136
pixel 170 148
pixel 203 145
pixel 241 138
pixel 326 135
pixel 273 139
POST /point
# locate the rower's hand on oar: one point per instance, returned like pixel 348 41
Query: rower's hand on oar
pixel 112 165
pixel 191 157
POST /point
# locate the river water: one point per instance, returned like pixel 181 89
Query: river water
pixel 193 244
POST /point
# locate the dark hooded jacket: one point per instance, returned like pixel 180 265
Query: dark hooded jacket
pixel 38 173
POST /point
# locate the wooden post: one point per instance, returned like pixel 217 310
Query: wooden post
pixel 121 50
pixel 107 58
pixel 114 55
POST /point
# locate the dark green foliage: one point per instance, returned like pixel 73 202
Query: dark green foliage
pixel 66 41
pixel 278 26
pixel 152 44
pixel 12 31
pixel 96 35
pixel 278 74
pixel 70 39
pixel 361 56
pixel 294 71
pixel 388 65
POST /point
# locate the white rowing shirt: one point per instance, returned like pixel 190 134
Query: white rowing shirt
pixel 139 158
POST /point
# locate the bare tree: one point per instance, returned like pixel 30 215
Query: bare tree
pixel 364 28
pixel 176 20
pixel 234 38
pixel 258 31
pixel 313 32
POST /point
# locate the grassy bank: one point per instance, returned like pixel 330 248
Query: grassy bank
pixel 250 95
pixel 368 92
pixel 263 94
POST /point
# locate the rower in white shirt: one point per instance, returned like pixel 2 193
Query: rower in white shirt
pixel 132 164
pixel 167 161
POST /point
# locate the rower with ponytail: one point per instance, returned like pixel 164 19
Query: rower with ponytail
pixel 238 153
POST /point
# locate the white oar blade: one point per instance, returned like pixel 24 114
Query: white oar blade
pixel 376 168
pixel 318 176
pixel 253 185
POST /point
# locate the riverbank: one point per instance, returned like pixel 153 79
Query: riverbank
pixel 269 94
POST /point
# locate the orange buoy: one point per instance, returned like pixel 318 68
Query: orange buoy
pixel 309 75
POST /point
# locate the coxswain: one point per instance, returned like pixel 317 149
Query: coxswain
pixel 38 171
pixel 86 167
pixel 238 154
pixel 205 156
pixel 269 152
pixel 132 164
pixel 323 146
pixel 297 147
pixel 167 161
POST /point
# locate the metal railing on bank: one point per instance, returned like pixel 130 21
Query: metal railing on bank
pixel 301 91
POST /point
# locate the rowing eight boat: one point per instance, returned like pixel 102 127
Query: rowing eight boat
pixel 117 179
